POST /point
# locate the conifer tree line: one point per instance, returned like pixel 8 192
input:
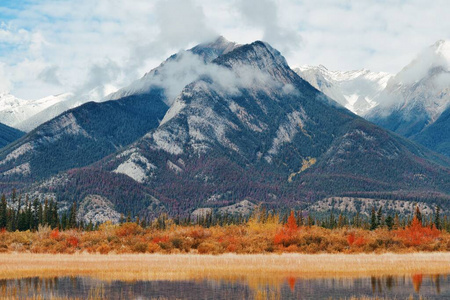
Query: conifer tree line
pixel 377 219
pixel 23 214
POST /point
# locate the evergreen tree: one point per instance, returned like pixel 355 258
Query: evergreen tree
pixel 396 222
pixel 418 214
pixel 437 217
pixel 373 220
pixel 389 222
pixel 64 221
pixel 73 216
pixel 380 216
pixel 37 208
pixel 3 213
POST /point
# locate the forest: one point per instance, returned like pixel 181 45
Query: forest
pixel 39 228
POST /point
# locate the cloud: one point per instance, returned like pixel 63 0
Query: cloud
pixel 264 14
pixel 49 75
pixel 181 23
pixel 5 84
pixel 74 37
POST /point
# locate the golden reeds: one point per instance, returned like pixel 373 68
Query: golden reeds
pixel 227 266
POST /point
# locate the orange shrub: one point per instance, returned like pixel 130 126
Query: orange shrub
pixel 54 234
pixel 128 229
pixel 360 241
pixel 416 234
pixel 103 249
pixel 160 239
pixel 287 235
pixel 351 239
pixel 73 241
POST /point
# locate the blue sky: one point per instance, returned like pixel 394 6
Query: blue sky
pixel 54 46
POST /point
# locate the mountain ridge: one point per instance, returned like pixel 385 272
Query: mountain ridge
pixel 269 137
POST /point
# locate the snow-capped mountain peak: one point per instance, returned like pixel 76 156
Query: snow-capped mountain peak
pixel 418 94
pixel 177 71
pixel 17 112
pixel 356 90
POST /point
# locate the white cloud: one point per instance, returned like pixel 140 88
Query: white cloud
pixel 70 42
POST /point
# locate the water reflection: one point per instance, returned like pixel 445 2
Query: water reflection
pixel 400 287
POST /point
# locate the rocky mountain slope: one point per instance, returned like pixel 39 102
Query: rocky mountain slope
pixel 85 134
pixel 248 127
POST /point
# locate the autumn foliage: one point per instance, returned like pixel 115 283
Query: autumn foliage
pixel 416 234
pixel 258 235
pixel 287 235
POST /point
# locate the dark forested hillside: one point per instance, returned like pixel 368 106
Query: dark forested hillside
pixel 437 135
pixel 8 135
pixel 82 136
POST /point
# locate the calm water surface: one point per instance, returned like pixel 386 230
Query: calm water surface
pixel 390 287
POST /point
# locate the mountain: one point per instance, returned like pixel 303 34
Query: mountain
pixel 249 128
pixel 417 96
pixel 437 135
pixel 17 112
pixel 178 70
pixel 8 135
pixel 85 134
pixel 357 90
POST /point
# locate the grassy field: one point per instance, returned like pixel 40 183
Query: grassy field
pixel 226 266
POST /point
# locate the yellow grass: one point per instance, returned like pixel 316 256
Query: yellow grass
pixel 252 267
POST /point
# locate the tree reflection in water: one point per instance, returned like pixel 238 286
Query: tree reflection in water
pixel 289 287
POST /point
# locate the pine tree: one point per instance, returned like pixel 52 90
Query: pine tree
pixel 73 216
pixel 437 217
pixel 3 213
pixel 418 214
pixel 380 216
pixel 373 220
pixel 36 209
pixel 389 222
pixel 396 222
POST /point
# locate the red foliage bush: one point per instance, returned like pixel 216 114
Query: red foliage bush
pixel 351 239
pixel 286 236
pixel 416 234
pixel 160 239
pixel 360 241
pixel 73 241
pixel 54 234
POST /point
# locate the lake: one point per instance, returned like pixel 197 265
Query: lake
pixel 398 287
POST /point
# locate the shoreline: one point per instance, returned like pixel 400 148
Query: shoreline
pixel 131 267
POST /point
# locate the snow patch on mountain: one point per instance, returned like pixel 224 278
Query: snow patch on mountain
pixel 25 148
pixel 287 130
pixel 246 118
pixel 136 166
pixel 97 209
pixel 23 169
pixel 174 167
pixel 169 141
pixel 65 125
pixel 176 107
